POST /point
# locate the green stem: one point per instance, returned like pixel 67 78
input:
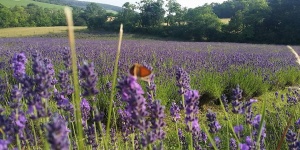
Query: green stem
pixel 18 141
pixel 178 140
pixel 34 133
pixel 69 18
pixel 132 141
pixel 114 82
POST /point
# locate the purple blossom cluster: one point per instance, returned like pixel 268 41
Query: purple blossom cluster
pixel 57 133
pixel 140 115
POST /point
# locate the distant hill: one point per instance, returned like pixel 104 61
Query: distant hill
pixel 12 3
pixel 81 4
pixel 59 4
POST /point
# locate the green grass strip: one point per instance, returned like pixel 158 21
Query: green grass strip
pixel 68 13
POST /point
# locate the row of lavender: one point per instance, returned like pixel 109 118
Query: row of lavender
pixel 30 97
pixel 163 55
pixel 270 64
pixel 142 117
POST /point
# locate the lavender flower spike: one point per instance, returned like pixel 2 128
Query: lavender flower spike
pixel 58 133
pixel 174 110
pixel 191 107
pixel 19 66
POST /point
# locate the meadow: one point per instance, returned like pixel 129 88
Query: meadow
pixel 201 95
pixel 34 31
pixel 12 3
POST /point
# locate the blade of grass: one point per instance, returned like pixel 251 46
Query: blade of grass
pixel 69 18
pixel 114 82
pixel 284 133
pixel 212 141
pixel 229 121
pixel 262 121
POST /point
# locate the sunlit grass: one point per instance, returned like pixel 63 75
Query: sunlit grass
pixel 34 31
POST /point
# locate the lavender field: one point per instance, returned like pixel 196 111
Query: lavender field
pixel 201 95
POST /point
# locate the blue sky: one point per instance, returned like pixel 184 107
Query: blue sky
pixel 184 3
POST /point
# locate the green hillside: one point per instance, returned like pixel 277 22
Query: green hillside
pixel 12 3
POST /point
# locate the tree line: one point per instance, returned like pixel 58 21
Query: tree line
pixel 30 16
pixel 255 21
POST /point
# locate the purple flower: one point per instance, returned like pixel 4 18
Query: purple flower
pixel 244 146
pixel 108 86
pixel 4 144
pixel 19 65
pixel 191 107
pixel 237 93
pixel 129 88
pixel 213 124
pixel 182 139
pixel 113 138
pixel 238 130
pixel 291 139
pixel 276 94
pixel 131 93
pixel 182 80
pixel 232 144
pixel 65 84
pixel 297 124
pixel 174 110
pixel 90 134
pixel 85 110
pixel 157 121
pixel 89 79
pixel 67 58
pixel 126 127
pixel 16 96
pixel 225 102
pixel 43 76
pixel 256 121
pixel 57 133
pixel 217 142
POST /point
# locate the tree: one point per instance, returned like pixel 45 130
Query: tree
pixel 95 16
pixel 174 10
pixel 6 16
pixel 203 24
pixel 152 13
pixel 284 21
pixel 248 24
pixel 128 16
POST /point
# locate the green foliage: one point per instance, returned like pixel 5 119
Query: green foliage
pixel 211 85
pixel 152 13
pixel 13 3
pixel 251 83
pixel 203 24
pixel 31 15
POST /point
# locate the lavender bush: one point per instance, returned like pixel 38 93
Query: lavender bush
pixel 37 95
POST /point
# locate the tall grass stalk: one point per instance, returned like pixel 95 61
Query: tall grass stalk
pixel 229 121
pixel 212 141
pixel 284 133
pixel 114 82
pixel 69 18
pixel 262 122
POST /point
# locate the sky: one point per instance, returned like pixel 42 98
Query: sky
pixel 184 3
